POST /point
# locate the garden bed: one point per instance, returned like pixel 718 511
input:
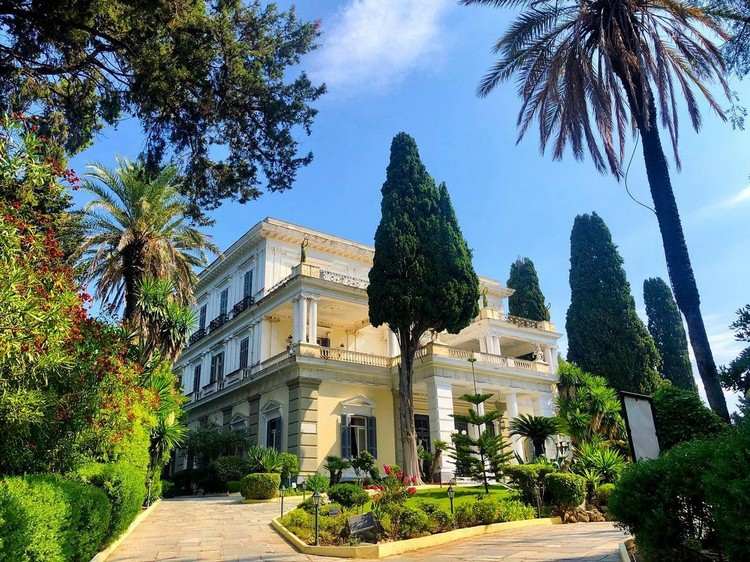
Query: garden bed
pixel 381 550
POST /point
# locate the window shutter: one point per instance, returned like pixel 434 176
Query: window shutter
pixel 346 447
pixel 372 437
pixel 247 288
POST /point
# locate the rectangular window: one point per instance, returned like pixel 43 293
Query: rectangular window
pixel 202 318
pixel 244 349
pixel 223 301
pixel 196 377
pixel 247 284
pixel 357 435
pixel 273 434
pixel 461 427
pixel 324 342
pixel 422 428
pixel 217 367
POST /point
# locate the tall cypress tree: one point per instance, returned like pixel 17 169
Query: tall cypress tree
pixel 665 326
pixel 527 301
pixel 605 335
pixel 422 278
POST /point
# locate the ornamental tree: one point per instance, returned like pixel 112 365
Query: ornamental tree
pixel 736 375
pixel 197 75
pixel 665 326
pixel 605 335
pixel 422 277
pixel 484 455
pixel 527 301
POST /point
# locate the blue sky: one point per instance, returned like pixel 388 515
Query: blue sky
pixel 413 65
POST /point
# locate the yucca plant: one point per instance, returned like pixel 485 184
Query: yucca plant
pixel 536 429
pixel 264 459
pixel 597 457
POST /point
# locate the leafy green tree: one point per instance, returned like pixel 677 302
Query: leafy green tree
pixel 482 456
pixel 536 429
pixel 422 277
pixel 592 71
pixel 605 335
pixel 196 74
pixel 527 301
pixel 588 409
pixel 136 228
pixel 665 326
pixel 680 415
pixel 736 375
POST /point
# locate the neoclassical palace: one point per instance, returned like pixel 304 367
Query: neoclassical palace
pixel 284 350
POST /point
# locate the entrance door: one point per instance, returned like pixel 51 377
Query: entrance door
pixel 422 428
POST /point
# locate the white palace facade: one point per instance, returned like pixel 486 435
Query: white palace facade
pixel 284 351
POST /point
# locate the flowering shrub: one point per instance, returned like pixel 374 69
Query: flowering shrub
pixel 393 491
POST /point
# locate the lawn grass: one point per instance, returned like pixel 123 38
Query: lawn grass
pixel 464 494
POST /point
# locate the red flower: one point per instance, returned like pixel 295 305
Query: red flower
pixel 411 490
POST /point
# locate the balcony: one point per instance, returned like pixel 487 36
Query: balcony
pixel 493 314
pixel 218 322
pixel 197 335
pixel 242 305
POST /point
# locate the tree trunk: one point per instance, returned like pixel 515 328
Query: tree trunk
pixel 678 259
pixel 132 273
pixel 406 411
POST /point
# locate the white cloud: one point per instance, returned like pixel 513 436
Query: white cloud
pixel 373 43
pixel 714 209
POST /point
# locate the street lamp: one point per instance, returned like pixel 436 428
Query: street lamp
pixel 316 503
pixel 282 491
pixel 451 495
pixel 473 360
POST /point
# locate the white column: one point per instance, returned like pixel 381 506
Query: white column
pixel 313 316
pixel 483 345
pixel 496 345
pixel 511 400
pixel 440 405
pixel 553 358
pixel 393 347
pixel 299 319
pixel 254 344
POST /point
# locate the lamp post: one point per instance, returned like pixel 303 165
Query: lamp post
pixel 316 503
pixel 451 495
pixel 473 360
pixel 282 491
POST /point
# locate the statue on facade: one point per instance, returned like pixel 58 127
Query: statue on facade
pixel 303 250
pixel 484 292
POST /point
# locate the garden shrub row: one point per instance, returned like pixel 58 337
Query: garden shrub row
pixel 53 518
pixel 566 490
pixel 48 518
pixel 260 485
pixel 695 497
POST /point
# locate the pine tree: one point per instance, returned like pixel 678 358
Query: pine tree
pixel 422 278
pixel 665 326
pixel 527 301
pixel 485 455
pixel 605 335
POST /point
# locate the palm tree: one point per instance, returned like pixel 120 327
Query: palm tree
pixel 136 228
pixel 535 428
pixel 620 64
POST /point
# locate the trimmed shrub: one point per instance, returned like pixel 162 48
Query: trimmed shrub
pixel 125 487
pixel 230 468
pixel 333 528
pixel 602 494
pixel 439 520
pixel 463 516
pixel 680 416
pixel 527 476
pixel 513 510
pixel 167 489
pixel 234 486
pixel 47 518
pixel 484 511
pixel 260 486
pixel 348 495
pixel 406 522
pixel 316 482
pixel 566 490
pixel 289 467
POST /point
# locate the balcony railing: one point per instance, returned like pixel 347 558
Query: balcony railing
pixel 218 322
pixel 243 305
pixel 197 335
pixel 494 314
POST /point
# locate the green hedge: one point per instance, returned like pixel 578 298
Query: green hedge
pixel 260 486
pixel 695 496
pixel 566 490
pixel 348 495
pixel 230 468
pixel 681 416
pixel 234 486
pixel 47 518
pixel 125 486
pixel 603 492
pixel 526 476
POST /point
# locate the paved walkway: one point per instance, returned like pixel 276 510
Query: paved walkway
pixel 220 529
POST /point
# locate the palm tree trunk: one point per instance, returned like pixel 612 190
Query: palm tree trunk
pixel 132 273
pixel 678 259
pixel 406 410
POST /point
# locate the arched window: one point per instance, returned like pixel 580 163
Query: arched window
pixel 272 422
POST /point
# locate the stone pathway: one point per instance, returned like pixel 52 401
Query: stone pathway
pixel 221 529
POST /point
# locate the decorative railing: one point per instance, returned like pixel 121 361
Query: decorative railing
pixel 522 322
pixel 197 335
pixel 243 305
pixel 342 279
pixel 347 356
pixel 218 322
pixel 489 313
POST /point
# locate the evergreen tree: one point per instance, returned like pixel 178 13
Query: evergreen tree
pixel 736 375
pixel 527 301
pixel 605 335
pixel 665 326
pixel 422 277
pixel 484 455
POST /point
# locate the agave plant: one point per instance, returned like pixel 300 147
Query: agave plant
pixel 263 459
pixel 537 429
pixel 597 457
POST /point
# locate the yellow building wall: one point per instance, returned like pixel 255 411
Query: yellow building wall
pixel 331 395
